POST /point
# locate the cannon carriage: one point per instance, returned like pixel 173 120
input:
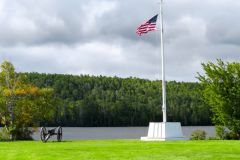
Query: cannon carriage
pixel 46 134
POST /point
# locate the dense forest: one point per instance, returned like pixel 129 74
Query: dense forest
pixel 111 101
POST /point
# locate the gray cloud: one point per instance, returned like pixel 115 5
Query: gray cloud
pixel 98 37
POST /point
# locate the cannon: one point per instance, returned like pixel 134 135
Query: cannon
pixel 46 134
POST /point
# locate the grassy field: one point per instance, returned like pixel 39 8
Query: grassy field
pixel 120 150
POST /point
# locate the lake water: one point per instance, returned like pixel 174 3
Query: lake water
pixel 75 133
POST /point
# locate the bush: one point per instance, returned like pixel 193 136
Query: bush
pixel 224 133
pixel 213 138
pixel 4 134
pixel 22 133
pixel 221 132
pixel 198 135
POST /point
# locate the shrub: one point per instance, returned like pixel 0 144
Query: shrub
pixel 221 132
pixel 22 133
pixel 213 138
pixel 198 135
pixel 4 134
pixel 224 133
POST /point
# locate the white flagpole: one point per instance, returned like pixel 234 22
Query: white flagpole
pixel 163 131
pixel 164 107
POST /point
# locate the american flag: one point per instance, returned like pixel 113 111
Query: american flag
pixel 150 25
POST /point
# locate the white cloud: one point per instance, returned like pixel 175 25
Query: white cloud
pixel 94 10
pixel 98 36
pixel 92 57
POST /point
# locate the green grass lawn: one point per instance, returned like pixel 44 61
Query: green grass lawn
pixel 120 150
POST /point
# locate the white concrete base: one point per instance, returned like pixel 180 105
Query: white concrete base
pixel 164 131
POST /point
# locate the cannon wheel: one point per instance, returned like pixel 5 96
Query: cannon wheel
pixel 43 134
pixel 59 134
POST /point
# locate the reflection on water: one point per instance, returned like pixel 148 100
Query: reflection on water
pixel 74 133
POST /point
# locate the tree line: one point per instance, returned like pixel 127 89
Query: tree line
pixel 111 101
pixel 33 99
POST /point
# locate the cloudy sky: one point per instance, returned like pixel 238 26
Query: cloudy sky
pixel 97 37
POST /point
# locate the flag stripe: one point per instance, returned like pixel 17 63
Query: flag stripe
pixel 150 25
